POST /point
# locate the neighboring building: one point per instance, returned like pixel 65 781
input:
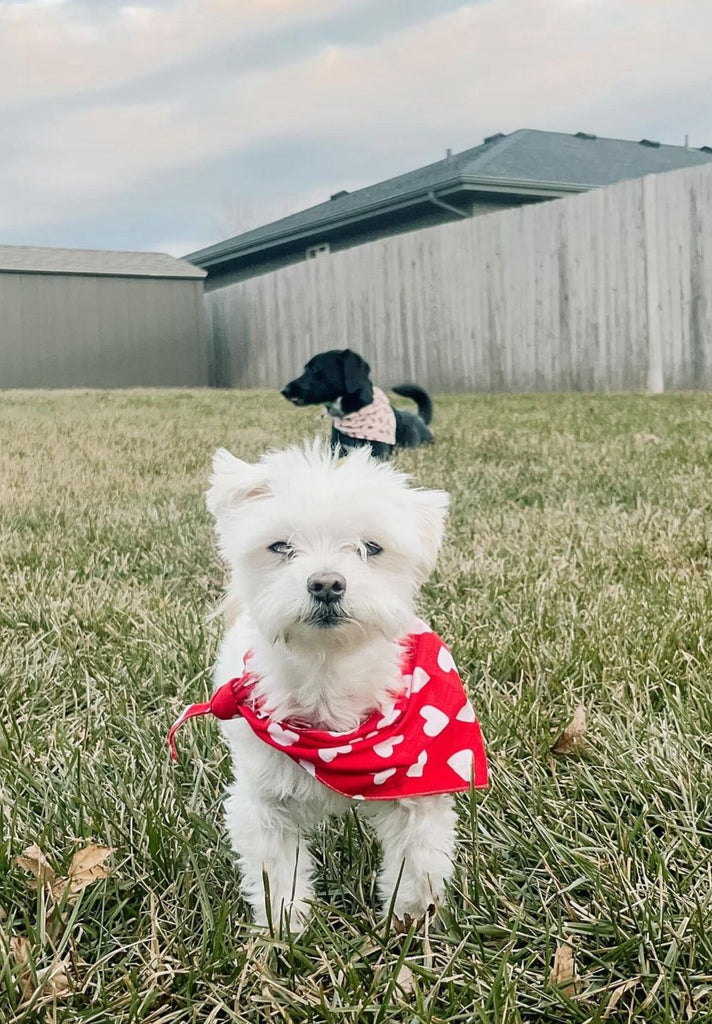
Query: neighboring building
pixel 506 170
pixel 88 318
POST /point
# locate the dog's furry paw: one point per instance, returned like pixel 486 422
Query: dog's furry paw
pixel 407 921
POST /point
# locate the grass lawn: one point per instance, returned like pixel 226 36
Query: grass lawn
pixel 577 570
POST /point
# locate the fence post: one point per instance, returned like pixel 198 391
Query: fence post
pixel 656 374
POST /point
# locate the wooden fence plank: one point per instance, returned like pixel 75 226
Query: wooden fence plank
pixel 610 290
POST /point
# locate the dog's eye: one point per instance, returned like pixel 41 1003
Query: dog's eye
pixel 372 549
pixel 281 547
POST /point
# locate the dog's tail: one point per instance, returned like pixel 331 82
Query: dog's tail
pixel 420 397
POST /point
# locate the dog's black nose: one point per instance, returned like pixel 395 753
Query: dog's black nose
pixel 326 586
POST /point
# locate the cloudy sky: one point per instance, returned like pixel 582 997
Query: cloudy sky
pixel 170 124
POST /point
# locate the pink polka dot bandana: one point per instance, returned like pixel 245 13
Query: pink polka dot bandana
pixel 375 422
pixel 427 742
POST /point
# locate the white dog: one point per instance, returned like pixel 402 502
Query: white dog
pixel 326 558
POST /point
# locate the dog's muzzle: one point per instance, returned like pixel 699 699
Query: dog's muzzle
pixel 290 394
pixel 326 587
pixel 326 590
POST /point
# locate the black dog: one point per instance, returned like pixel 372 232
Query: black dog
pixel 361 414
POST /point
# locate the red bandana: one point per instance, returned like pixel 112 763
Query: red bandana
pixel 428 743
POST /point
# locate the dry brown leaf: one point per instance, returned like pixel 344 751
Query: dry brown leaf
pixel 87 867
pixel 646 439
pixel 572 736
pixel 405 980
pixel 617 993
pixel 20 952
pixel 20 948
pixel 563 972
pixel 401 925
pixel 55 982
pixel 33 860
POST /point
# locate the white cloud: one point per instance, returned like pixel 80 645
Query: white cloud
pixel 598 65
pixel 54 49
pixel 178 247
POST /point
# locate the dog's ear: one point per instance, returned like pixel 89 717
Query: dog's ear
pixel 431 512
pixel 356 371
pixel 233 481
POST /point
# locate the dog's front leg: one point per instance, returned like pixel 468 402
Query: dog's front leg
pixel 418 839
pixel 267 840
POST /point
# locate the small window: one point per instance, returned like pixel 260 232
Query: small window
pixel 318 250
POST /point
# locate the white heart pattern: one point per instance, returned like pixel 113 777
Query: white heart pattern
pixel 385 749
pixel 329 753
pixel 388 719
pixel 380 777
pixel 466 713
pixel 416 770
pixel 308 767
pixel 445 660
pixel 285 737
pixel 461 764
pixel 420 679
pixel 419 627
pixel 435 720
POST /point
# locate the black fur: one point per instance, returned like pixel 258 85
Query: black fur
pixel 340 380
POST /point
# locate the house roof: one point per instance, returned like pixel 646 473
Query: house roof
pixel 29 259
pixel 534 163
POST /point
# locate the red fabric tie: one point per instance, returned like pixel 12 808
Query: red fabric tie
pixel 429 742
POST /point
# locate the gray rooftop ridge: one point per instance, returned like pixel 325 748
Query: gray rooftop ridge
pixel 551 163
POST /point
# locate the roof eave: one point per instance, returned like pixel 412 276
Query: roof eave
pixel 526 187
pixel 225 254
pixel 199 274
pixel 216 255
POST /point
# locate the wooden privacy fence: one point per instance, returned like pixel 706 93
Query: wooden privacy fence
pixel 606 291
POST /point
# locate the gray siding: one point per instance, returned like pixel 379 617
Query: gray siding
pixel 606 291
pixel 412 219
pixel 67 330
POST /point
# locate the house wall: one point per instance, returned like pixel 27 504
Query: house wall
pixel 410 219
pixel 606 291
pixel 70 330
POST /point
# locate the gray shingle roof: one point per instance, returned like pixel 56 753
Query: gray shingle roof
pixel 580 160
pixel 546 163
pixel 38 260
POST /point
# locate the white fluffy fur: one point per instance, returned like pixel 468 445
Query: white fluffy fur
pixel 329 678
